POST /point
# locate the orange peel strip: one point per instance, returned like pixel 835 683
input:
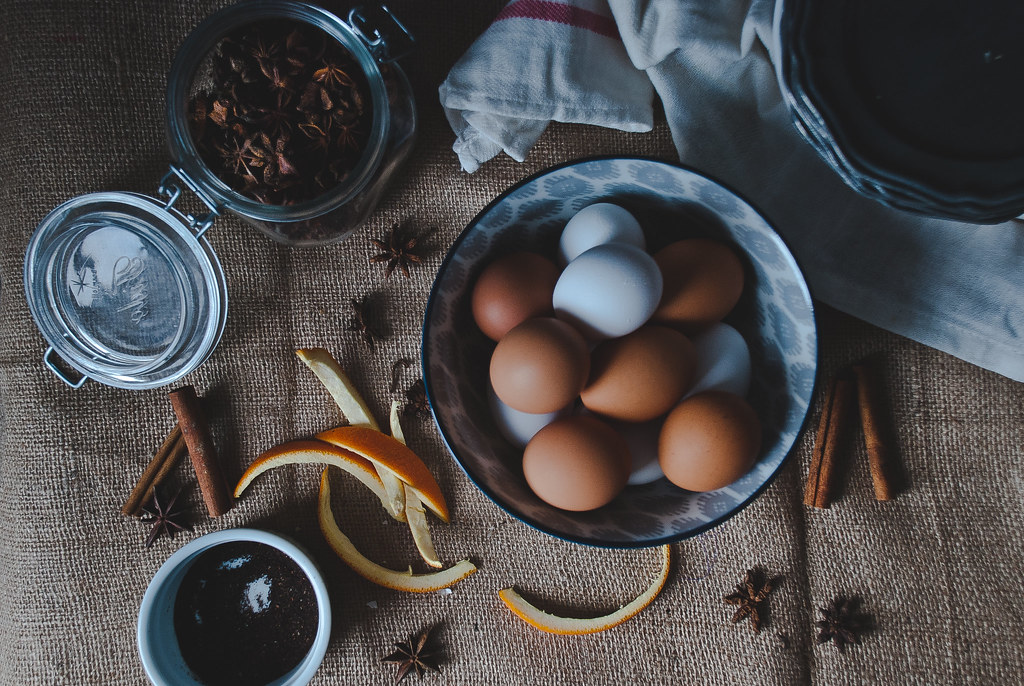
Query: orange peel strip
pixel 395 490
pixel 329 372
pixel 414 512
pixel 394 456
pixel 555 624
pixel 396 423
pixel 314 452
pixel 356 411
pixel 389 578
pixel 416 516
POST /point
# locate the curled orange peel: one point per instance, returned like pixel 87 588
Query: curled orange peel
pixel 391 455
pixel 356 411
pixel 414 512
pixel 384 464
pixel 555 624
pixel 333 377
pixel 366 568
pixel 308 451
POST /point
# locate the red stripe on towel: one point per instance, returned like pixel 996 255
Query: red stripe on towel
pixel 546 10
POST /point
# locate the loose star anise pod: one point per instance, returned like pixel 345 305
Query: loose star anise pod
pixel 361 316
pixel 396 371
pixel 416 399
pixel 413 655
pixel 750 595
pixel 843 622
pixel 166 519
pixel 399 250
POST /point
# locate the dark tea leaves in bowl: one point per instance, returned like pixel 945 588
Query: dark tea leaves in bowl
pixel 245 613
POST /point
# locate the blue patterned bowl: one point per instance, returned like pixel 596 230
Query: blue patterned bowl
pixel 775 316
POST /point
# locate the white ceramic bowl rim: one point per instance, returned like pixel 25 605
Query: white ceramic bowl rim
pixel 153 640
pixel 448 434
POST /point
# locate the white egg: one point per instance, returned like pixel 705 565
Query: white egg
pixel 519 427
pixel 598 224
pixel 608 291
pixel 723 361
pixel 642 439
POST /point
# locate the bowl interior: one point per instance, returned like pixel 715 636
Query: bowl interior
pixel 774 315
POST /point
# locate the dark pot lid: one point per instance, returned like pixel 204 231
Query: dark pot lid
pixel 914 103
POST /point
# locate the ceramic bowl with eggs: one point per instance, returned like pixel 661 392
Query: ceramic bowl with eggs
pixel 598 413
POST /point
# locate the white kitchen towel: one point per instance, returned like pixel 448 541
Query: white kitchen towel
pixel 953 286
pixel 542 61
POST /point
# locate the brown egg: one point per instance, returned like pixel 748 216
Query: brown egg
pixel 540 366
pixel 641 375
pixel 709 440
pixel 511 290
pixel 576 463
pixel 703 280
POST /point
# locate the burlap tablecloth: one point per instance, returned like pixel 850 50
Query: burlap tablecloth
pixel 81 109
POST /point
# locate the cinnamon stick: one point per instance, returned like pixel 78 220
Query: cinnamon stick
pixel 151 474
pixel 177 452
pixel 200 449
pixel 877 430
pixel 832 427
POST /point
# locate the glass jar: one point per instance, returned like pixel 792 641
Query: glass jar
pixel 375 39
pixel 125 288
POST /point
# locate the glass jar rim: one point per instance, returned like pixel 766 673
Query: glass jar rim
pixel 166 246
pixel 203 40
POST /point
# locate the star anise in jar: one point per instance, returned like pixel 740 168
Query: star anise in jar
pixel 276 119
pixel 301 50
pixel 319 138
pixel 347 138
pixel 220 112
pixel 333 76
pixel 315 99
pixel 288 82
pixel 235 154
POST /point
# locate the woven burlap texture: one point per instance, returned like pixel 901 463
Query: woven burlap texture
pixel 81 109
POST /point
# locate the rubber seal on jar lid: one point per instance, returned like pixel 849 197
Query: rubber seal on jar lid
pixel 123 290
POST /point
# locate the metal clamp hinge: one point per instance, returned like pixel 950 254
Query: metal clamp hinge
pixel 171 189
pixel 386 37
pixel 51 360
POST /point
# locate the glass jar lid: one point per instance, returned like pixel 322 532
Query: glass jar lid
pixel 124 290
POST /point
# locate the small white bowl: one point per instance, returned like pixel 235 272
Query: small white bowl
pixel 158 643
